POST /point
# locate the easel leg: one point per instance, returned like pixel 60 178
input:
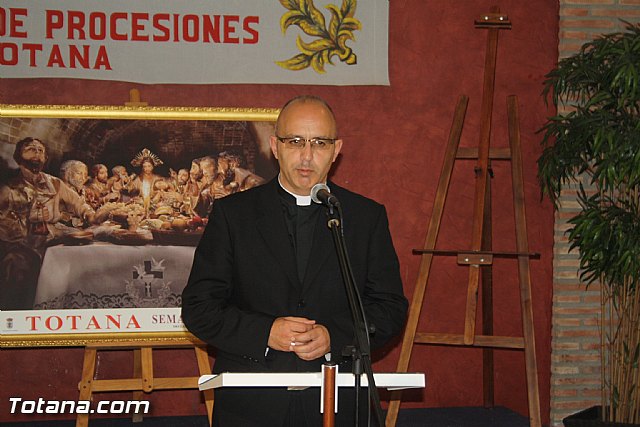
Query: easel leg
pixel 430 243
pixel 143 369
pixel 205 369
pixel 137 373
pixel 524 274
pixel 88 371
pixel 488 388
pixel 147 369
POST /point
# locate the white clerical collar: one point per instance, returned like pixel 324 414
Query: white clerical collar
pixel 300 200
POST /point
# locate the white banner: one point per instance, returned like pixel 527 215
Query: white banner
pixel 91 321
pixel 324 42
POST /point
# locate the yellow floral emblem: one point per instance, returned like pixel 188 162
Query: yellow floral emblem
pixel 329 42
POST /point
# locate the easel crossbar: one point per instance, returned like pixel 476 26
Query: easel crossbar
pixel 490 341
pixel 471 153
pixel 497 254
pixel 132 384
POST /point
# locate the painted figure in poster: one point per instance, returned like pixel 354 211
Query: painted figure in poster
pixel 97 190
pixel 118 184
pixel 193 187
pixel 32 210
pixel 74 173
pixel 182 178
pixel 214 184
pixel 144 184
pixel 244 178
pixel 33 203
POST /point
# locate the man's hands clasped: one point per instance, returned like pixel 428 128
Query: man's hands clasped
pixel 300 335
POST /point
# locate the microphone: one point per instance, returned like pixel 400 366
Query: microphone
pixel 320 194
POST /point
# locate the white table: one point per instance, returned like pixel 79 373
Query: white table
pixel 391 381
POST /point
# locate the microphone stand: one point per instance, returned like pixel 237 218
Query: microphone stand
pixel 361 352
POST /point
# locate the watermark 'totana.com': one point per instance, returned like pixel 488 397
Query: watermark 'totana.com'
pixel 41 406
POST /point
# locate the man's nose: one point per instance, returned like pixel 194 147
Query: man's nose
pixel 307 151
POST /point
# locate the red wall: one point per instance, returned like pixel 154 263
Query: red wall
pixel 394 147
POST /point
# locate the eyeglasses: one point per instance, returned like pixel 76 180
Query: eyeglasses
pixel 299 142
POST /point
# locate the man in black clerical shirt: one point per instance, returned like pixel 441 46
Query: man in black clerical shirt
pixel 266 290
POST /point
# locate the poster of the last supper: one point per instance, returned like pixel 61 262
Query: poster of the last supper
pixel 103 215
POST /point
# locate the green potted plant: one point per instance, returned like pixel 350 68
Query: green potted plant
pixel 593 146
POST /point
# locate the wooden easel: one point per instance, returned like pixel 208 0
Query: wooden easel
pixel 479 257
pixel 143 379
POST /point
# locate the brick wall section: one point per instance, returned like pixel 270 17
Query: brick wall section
pixel 575 345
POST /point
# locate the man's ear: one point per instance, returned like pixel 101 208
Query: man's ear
pixel 338 147
pixel 273 143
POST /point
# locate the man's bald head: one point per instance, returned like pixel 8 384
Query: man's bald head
pixel 305 99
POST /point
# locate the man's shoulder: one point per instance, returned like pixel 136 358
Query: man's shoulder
pixel 51 178
pixel 55 181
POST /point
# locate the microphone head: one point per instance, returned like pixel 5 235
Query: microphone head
pixel 316 189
